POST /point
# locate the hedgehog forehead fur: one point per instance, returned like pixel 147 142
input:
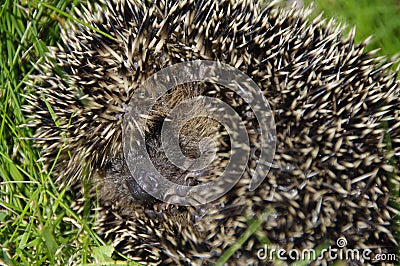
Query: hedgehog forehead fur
pixel 334 107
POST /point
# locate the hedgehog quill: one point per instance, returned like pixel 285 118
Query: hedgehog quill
pixel 333 104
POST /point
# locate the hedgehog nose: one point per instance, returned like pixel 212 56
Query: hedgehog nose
pixel 139 193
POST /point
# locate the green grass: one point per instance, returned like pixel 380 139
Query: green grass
pixel 37 225
pixel 379 19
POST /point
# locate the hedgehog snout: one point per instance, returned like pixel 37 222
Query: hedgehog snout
pixel 199 140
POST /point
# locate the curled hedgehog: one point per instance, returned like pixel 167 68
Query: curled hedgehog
pixel 336 110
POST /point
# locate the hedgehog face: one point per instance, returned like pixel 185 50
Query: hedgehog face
pixel 200 136
pixel 203 142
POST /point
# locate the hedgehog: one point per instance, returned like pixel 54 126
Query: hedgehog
pixel 336 113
